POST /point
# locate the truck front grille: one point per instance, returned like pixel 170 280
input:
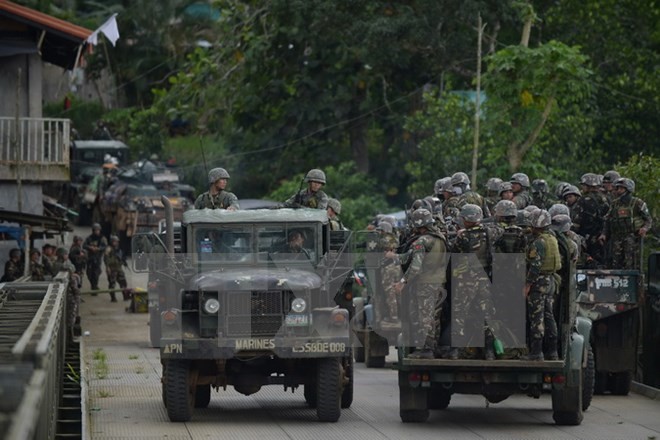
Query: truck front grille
pixel 256 313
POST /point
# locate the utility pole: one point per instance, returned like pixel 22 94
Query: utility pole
pixel 477 107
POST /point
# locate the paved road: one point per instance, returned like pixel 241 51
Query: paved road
pixel 124 401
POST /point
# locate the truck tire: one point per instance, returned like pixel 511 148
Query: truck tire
pixel 413 402
pixel 358 352
pixel 328 390
pixel 374 361
pixel 621 383
pixel 347 392
pixel 179 390
pixel 588 379
pixel 600 382
pixel 203 396
pixel 567 404
pixel 438 398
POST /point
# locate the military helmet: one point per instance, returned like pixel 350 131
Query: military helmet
pixel 421 217
pixel 493 184
pixel 315 175
pixel 558 209
pixel 559 189
pixel 217 173
pixel 505 208
pixel 61 251
pixel 77 238
pixel 388 219
pixel 541 219
pixel 505 186
pixel 523 218
pixel 531 208
pixel 561 223
pixel 335 205
pixel 628 184
pixel 611 176
pixel 96 226
pixel 15 252
pixel 439 184
pixel 460 178
pixel 589 179
pixel 571 189
pixel 520 178
pixel 471 213
pixel 448 187
pixel 540 186
pixel 34 251
pixel 385 227
pixel 114 238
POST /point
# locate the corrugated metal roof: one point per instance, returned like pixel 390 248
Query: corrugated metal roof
pixel 44 21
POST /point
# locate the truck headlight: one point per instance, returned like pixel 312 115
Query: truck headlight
pixel 211 306
pixel 298 305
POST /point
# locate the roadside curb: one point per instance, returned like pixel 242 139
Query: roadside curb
pixel 645 390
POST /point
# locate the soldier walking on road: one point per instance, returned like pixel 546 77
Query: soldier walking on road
pixel 424 281
pixel 217 197
pixel 543 261
pixel 626 224
pixel 113 258
pixel 95 245
pixel 312 196
pixel 78 256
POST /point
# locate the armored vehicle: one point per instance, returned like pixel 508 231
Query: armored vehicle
pixel 253 298
pixel 429 383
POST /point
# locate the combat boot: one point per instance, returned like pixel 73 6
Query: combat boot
pixel 453 354
pixel 423 353
pixel 551 350
pixel 535 350
pixel 113 297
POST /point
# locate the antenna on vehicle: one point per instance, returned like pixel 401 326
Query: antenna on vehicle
pixel 201 147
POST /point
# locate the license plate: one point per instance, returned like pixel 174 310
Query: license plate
pixel 296 319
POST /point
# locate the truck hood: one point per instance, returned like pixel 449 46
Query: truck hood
pixel 255 279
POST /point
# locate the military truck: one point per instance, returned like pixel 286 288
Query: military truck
pixel 240 305
pixel 426 384
pixel 610 299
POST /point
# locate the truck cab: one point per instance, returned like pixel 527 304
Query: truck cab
pixel 242 306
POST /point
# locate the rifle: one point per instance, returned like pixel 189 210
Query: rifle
pixel 298 200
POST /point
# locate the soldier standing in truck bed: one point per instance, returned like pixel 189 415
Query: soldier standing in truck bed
pixel 217 197
pixel 312 196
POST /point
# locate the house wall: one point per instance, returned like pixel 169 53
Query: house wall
pixel 27 86
pixel 32 198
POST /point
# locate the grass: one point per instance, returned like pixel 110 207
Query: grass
pixel 100 363
pixel 73 375
pixel 103 394
pixel 133 356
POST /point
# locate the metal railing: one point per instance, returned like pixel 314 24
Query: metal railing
pixel 39 141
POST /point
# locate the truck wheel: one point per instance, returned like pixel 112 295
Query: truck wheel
pixel 621 383
pixel 202 396
pixel 600 383
pixel 180 390
pixel 567 404
pixel 413 402
pixel 588 379
pixel 328 380
pixel 347 393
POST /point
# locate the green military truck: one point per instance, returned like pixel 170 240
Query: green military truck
pixel 610 299
pixel 241 306
pixel 429 384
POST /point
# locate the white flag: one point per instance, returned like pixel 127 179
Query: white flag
pixel 109 29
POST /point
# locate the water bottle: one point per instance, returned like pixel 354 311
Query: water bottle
pixel 206 247
pixel 499 348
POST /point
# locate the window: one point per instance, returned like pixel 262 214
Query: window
pixel 228 244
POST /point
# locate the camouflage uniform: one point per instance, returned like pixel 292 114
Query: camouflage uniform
pixel 470 293
pixel 390 275
pixel 78 257
pixel 587 217
pixel 37 271
pixel 522 199
pixel 114 260
pixel 424 276
pixel 543 261
pixel 63 264
pixel 221 200
pixel 48 261
pixel 308 199
pixel 95 246
pixel 627 215
pixel 12 271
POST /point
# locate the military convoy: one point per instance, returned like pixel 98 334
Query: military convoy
pixel 239 306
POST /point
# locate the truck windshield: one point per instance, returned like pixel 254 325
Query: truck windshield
pixel 226 244
pixel 286 243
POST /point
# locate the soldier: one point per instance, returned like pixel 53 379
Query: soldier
pixel 95 245
pixel 424 280
pixel 48 259
pixel 390 271
pixel 334 209
pixel 626 224
pixel 608 184
pixel 312 196
pixel 541 196
pixel 561 224
pixel 570 197
pixel 13 266
pixel 437 188
pixel 520 188
pixel 78 255
pixel 37 270
pixel 512 239
pixel 560 209
pixel 462 181
pixel 471 292
pixel 506 191
pixel 63 264
pixel 543 261
pixel 588 214
pixel 492 192
pixel 113 257
pixel 217 197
